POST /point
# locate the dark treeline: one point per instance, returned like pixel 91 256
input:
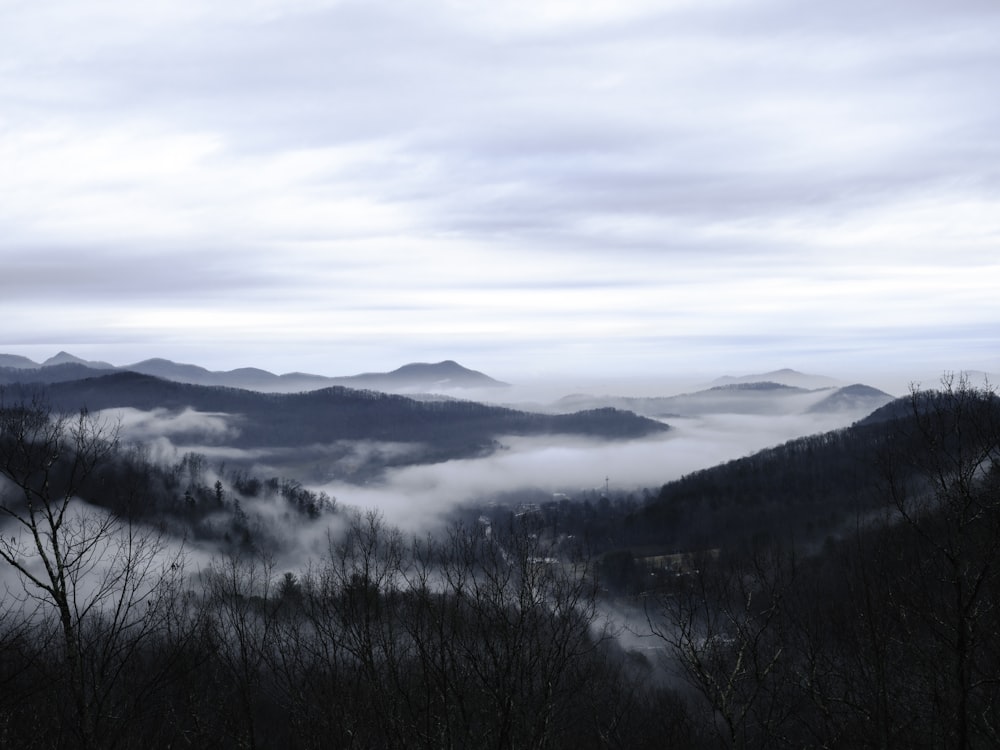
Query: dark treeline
pixel 485 636
pixel 800 493
pixel 888 636
pixel 807 488
pixel 196 499
pixel 336 413
pixel 323 425
pixel 512 630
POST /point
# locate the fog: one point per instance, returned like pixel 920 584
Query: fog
pixel 96 547
pixel 162 422
pixel 417 496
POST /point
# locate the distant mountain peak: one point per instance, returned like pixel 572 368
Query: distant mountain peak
pixel 785 376
pixel 756 385
pixel 424 375
pixel 445 365
pixel 17 362
pixel 415 377
pixel 65 358
pixel 856 397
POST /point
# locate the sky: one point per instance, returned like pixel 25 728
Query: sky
pixel 535 188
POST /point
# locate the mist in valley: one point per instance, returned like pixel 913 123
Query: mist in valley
pixel 718 425
pixel 418 495
pixel 388 376
pixel 355 587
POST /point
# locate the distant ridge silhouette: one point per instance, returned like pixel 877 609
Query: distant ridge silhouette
pixel 411 378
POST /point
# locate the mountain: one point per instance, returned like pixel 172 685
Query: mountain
pixel 15 361
pixel 766 398
pixel 421 376
pixel 853 398
pixel 321 426
pixel 65 358
pixel 38 375
pixel 784 376
pixel 657 407
pixel 245 377
pixel 829 483
pixel 164 368
pixel 806 489
pixel 411 378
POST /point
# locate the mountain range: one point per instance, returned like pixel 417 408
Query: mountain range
pixel 411 378
pixel 779 392
pixel 764 398
pixel 785 376
pixel 326 433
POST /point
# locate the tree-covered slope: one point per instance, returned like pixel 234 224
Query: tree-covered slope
pixel 338 413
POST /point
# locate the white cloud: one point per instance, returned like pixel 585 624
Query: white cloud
pixel 418 496
pixel 254 183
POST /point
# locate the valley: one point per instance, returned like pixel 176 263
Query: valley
pixel 592 571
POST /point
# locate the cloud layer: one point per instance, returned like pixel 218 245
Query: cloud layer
pixel 418 496
pixel 543 187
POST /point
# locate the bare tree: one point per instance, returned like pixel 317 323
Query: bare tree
pixel 722 624
pixel 108 582
pixel 522 629
pixel 241 627
pixel 942 476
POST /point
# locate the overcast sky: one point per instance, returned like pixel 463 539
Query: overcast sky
pixel 531 187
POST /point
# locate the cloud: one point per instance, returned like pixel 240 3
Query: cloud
pixel 142 425
pixel 417 497
pixel 313 181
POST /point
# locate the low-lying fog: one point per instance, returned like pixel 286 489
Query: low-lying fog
pixel 414 496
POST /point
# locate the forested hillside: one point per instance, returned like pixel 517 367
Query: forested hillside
pixel 835 591
pixel 414 377
pixel 434 430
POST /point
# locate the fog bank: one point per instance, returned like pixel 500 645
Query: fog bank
pixel 416 496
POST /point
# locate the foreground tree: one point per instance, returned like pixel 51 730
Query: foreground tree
pixel 723 624
pixel 942 475
pixel 100 586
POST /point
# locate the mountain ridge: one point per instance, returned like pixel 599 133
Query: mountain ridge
pixel 411 377
pixel 325 421
pixel 742 398
pixel 785 376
